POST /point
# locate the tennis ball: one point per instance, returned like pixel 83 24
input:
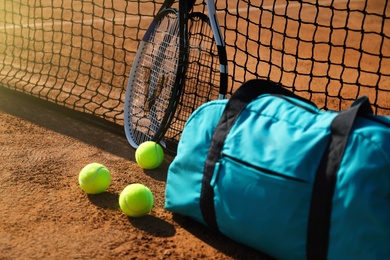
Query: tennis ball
pixel 136 200
pixel 94 178
pixel 149 155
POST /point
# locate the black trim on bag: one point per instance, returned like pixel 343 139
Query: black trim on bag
pixel 326 175
pixel 323 188
pixel 249 91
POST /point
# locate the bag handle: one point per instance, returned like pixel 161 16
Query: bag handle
pixel 249 91
pixel 326 177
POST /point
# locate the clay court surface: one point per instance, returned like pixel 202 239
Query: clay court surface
pixel 43 212
pixel 45 215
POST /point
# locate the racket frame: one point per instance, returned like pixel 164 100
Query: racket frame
pixel 131 131
pixel 185 7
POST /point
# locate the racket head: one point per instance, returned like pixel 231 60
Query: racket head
pixel 153 86
pixel 205 79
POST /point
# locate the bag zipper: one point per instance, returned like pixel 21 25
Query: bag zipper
pixel 263 170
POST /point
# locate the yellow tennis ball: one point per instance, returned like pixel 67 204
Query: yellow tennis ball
pixel 149 155
pixel 94 178
pixel 136 200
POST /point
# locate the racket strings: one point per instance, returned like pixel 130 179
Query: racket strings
pixel 155 79
pixel 202 75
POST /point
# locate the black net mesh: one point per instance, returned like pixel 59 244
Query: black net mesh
pixel 78 53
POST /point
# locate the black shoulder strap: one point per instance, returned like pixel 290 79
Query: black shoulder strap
pixel 326 176
pixel 237 103
pixel 323 190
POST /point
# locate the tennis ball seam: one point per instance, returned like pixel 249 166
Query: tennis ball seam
pixel 141 210
pixel 94 176
pixel 157 155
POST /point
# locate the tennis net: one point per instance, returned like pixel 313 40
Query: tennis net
pixel 78 53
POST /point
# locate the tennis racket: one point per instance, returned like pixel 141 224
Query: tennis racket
pixel 161 70
pixel 206 76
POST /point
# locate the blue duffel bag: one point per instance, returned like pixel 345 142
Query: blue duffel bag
pixel 271 171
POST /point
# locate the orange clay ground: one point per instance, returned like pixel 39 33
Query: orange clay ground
pixel 45 215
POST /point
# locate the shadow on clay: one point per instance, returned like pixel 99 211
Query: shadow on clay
pixel 153 226
pixel 218 240
pixel 105 200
